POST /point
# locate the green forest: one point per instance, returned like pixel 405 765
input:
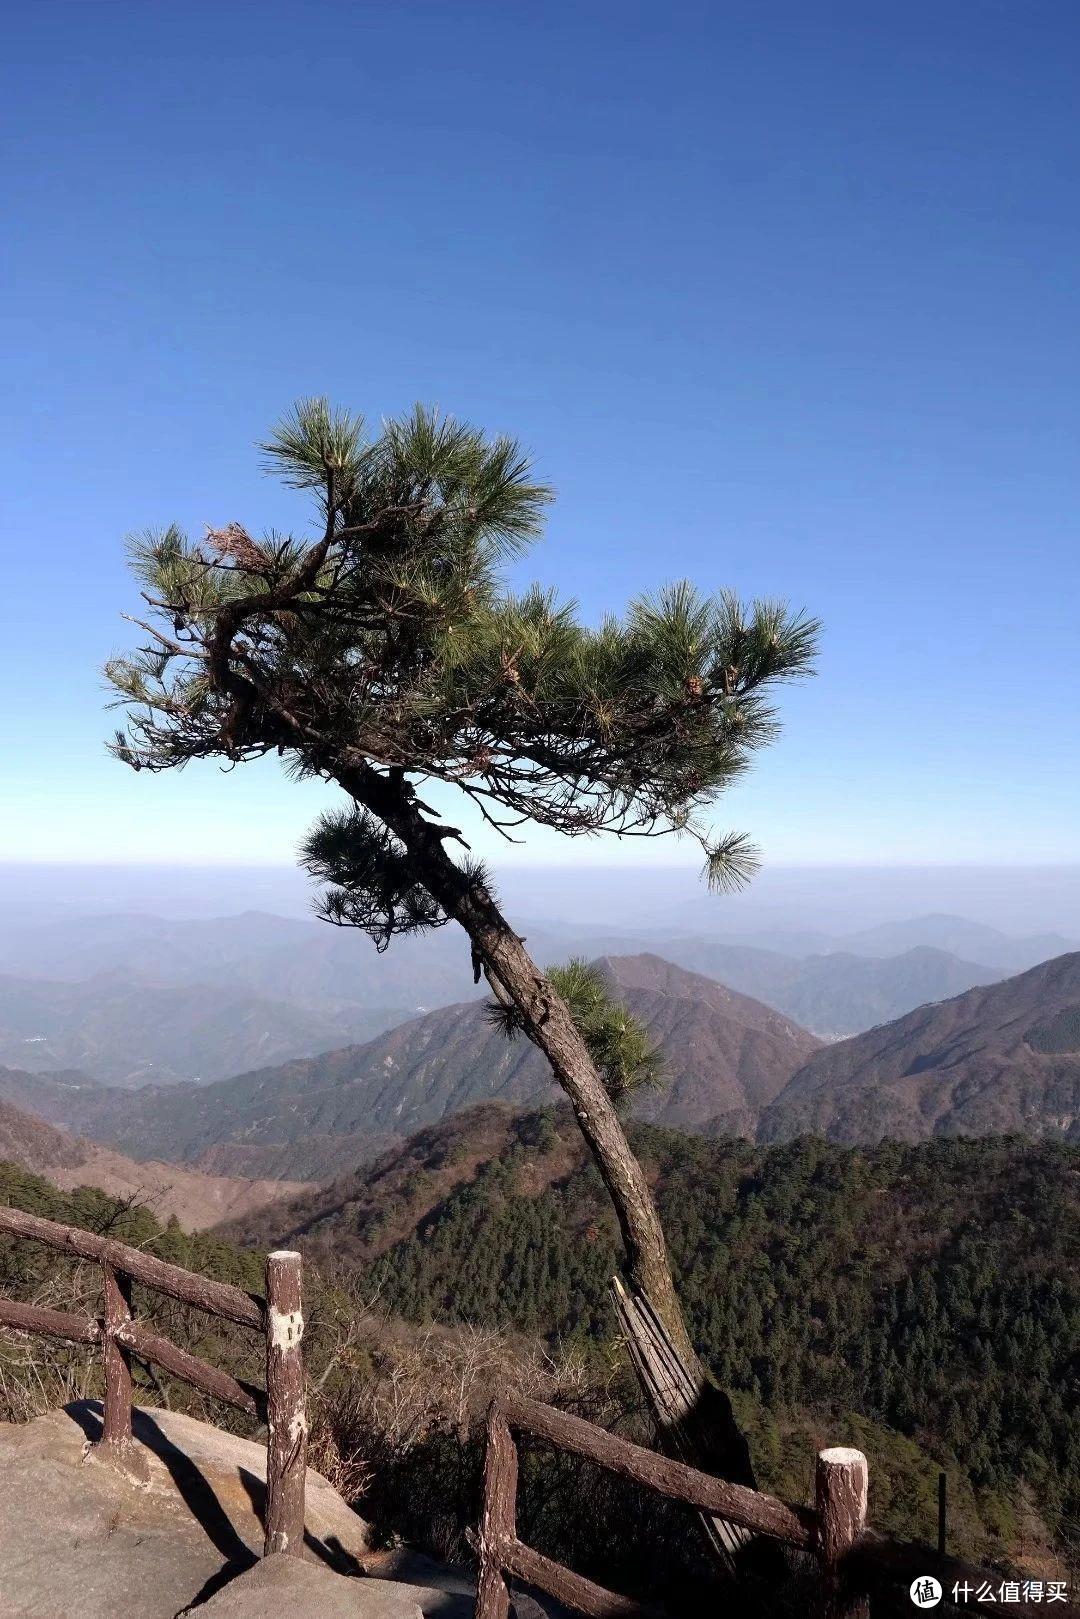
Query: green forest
pixel 931 1292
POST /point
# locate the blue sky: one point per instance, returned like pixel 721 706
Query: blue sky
pixel 780 296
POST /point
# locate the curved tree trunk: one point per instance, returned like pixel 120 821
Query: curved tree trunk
pixel 548 1023
pixel 709 1424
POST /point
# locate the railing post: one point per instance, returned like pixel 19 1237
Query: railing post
pixel 841 1484
pixel 116 1444
pixel 286 1444
pixel 498 1522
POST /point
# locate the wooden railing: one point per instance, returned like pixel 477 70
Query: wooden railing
pixel 279 1316
pixel 830 1531
pixel 853 1561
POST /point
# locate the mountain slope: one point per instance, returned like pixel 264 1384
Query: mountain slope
pixel 67 1161
pixel 723 1051
pixel 726 1057
pixel 1005 1058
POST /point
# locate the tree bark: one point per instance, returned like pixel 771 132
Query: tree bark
pixel 546 1019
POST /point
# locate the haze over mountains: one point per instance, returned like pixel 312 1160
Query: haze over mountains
pixel 131 999
pixel 835 993
pixel 131 1034
pixel 1001 1058
pixel 268 1047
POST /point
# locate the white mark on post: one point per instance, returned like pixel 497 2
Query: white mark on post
pixel 286 1328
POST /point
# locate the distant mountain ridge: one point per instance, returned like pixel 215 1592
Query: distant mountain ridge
pixel 295 960
pixel 1000 1059
pixel 961 937
pixel 838 993
pixel 209 998
pixel 133 1033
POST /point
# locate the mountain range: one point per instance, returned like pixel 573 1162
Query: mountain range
pixel 133 1033
pixel 726 1057
pixel 996 1058
pixel 131 999
pixel 1005 1058
pixel 835 994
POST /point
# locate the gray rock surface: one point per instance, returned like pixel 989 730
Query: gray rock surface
pixel 80 1541
pixel 76 1539
pixel 302 1590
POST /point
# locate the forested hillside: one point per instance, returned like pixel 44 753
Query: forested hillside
pixel 67 1161
pixel 932 1288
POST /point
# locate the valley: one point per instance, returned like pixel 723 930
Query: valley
pixel 194 1198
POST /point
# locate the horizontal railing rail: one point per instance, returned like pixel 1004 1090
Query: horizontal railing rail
pixel 216 1298
pixel 853 1560
pixel 279 1316
pixel 828 1531
pixel 752 1509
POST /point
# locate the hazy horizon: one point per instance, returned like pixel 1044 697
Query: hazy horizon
pixel 827 898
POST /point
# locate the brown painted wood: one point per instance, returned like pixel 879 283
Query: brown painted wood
pixel 574 1589
pixel 286 1452
pixel 753 1508
pixel 75 1329
pixel 138 1338
pixel 116 1444
pixel 841 1483
pixel 498 1522
pixel 116 1427
pixel 217 1298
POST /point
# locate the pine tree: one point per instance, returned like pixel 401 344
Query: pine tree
pixel 385 653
